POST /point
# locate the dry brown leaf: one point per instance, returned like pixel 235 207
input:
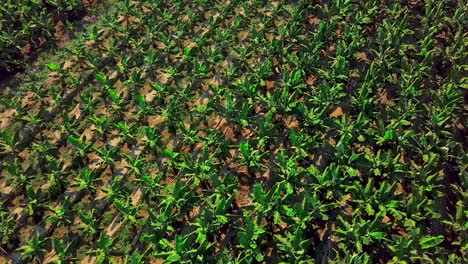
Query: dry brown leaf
pixel 153 121
pixel 144 213
pixel 337 112
pixel 194 212
pixel 106 44
pixel 88 133
pixel 136 151
pixel 349 210
pixel 399 189
pixel 90 43
pixel 88 3
pixel 24 154
pixel 202 101
pixel 114 142
pixel 189 43
pixel 114 227
pixel 120 88
pixel 18 211
pixel 314 20
pixel 321 232
pixel 270 84
pixel 160 44
pixel 27 50
pixel 7 117
pixel 51 80
pixel 89 260
pixel 7 190
pixel 95 161
pixel 241 11
pixel 403 233
pixel 242 35
pixel 362 56
pixel 385 219
pixel 164 78
pixel 28 99
pixel 76 112
pixel 291 122
pixel 68 64
pixel 216 80
pixel 136 196
pixel 311 80
pixel 229 133
pixel 384 97
pixel 113 75
pixel 149 97
pixel 61 33
pixel 157 261
pixel 402 159
pixel 243 199
pixel 145 9
pixel 50 257
pixel 283 224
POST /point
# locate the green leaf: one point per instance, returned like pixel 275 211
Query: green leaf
pixel 244 239
pixel 201 237
pixel 179 244
pixel 101 78
pixel 120 206
pixel 58 246
pixel 377 235
pixel 113 96
pixel 259 257
pixel 389 135
pixel 244 147
pixel 222 219
pixel 289 188
pixel 405 122
pixel 352 172
pixel 259 193
pixel 52 66
pixel 429 242
pixel 75 142
pixel 169 153
pixel 283 240
pixel 173 258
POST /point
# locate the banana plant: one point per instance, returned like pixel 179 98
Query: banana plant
pixel 34 248
pixel 8 141
pixel 250 156
pixel 90 226
pixel 63 215
pixel 63 252
pixel 127 209
pixel 103 248
pixel 249 239
pixel 87 181
pixel 82 147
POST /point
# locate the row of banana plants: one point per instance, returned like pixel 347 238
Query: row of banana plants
pixel 243 132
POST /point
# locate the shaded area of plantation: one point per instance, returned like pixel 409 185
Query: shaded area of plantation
pixel 29 27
